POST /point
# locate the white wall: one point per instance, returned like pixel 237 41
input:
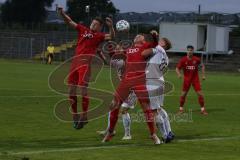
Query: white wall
pixel 211 39
pixel 183 34
pixel 201 37
pixel 180 35
pixel 222 37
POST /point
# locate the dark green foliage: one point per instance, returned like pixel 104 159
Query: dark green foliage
pixel 76 9
pixel 25 12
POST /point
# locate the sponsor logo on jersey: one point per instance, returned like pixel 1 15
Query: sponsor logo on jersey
pixel 190 67
pixel 87 35
pixel 133 50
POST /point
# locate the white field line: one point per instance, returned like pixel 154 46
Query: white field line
pixel 41 96
pixel 12 89
pixel 113 146
pixel 214 94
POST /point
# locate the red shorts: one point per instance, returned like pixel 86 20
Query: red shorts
pixel 187 84
pixel 124 88
pixel 80 76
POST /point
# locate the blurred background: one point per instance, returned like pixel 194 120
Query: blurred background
pixel 28 27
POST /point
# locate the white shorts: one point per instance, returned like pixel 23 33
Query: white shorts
pixel 156 96
pixel 130 102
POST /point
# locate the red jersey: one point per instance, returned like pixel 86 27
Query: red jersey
pixel 88 41
pixel 135 62
pixel 190 68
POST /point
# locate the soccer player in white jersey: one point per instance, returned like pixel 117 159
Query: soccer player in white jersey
pixel 155 70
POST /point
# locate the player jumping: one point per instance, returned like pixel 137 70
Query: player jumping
pixel 87 44
pixel 134 79
pixel 190 65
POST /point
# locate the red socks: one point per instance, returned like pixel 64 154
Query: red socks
pixel 150 120
pixel 113 119
pixel 85 103
pixel 73 102
pixel 182 101
pixel 201 101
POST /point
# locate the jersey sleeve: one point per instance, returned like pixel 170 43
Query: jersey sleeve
pixel 146 45
pixel 156 50
pixel 150 45
pixel 80 28
pixel 180 64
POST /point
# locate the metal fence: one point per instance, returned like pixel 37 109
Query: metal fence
pixel 21 47
pixel 29 45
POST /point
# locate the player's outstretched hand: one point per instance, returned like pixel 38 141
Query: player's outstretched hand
pixel 109 22
pixel 153 32
pixel 59 9
pixel 203 78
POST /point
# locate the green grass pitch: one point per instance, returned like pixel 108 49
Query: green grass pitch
pixel 28 127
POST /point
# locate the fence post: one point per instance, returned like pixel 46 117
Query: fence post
pixel 31 47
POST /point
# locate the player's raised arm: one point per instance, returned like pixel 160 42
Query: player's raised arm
pixel 103 57
pixel 155 37
pixel 147 52
pixel 111 33
pixel 163 44
pixel 66 18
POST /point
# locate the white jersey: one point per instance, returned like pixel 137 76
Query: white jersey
pixel 119 65
pixel 157 64
pixel 155 70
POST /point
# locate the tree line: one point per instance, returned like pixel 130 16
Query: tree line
pixel 36 11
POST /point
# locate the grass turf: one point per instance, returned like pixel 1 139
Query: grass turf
pixel 30 129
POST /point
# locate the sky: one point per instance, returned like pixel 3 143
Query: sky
pixel 224 6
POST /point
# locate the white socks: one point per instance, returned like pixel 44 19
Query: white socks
pixel 126 123
pixel 166 121
pixel 161 126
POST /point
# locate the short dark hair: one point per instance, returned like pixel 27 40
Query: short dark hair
pixel 99 19
pixel 168 43
pixel 190 47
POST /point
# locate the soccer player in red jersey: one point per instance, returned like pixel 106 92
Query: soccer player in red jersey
pixel 87 44
pixel 190 65
pixel 134 79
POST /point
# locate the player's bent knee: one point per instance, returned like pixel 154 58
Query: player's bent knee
pixel 199 93
pixel 184 94
pixel 115 103
pixel 155 111
pixel 124 110
pixel 72 90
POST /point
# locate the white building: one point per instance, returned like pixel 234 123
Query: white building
pixel 206 38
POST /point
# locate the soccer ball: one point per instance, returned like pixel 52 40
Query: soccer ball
pixel 122 25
